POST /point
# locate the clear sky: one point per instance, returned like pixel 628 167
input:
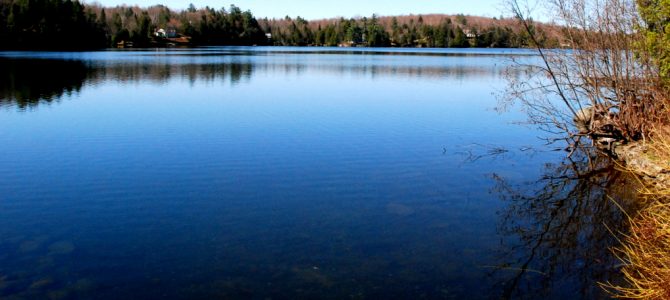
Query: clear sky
pixel 316 9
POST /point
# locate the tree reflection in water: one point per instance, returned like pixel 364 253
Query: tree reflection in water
pixel 559 229
pixel 28 82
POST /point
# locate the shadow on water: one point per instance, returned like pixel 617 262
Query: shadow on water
pixel 560 229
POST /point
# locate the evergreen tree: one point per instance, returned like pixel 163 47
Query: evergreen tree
pixel 656 43
pixel 70 24
pixel 459 40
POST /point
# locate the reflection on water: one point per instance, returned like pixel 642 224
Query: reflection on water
pixel 26 82
pixel 564 225
pixel 287 173
pixel 66 73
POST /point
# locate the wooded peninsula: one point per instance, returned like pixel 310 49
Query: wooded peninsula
pixel 59 24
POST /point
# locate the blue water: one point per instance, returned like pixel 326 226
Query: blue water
pixel 284 173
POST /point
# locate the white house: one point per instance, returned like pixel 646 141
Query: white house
pixel 469 34
pixel 160 33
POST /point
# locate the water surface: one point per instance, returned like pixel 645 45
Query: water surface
pixel 288 173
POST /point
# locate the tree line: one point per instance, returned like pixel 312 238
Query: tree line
pixel 49 23
pixel 71 24
pixel 442 31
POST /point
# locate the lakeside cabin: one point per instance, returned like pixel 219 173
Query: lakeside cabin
pixel 169 33
pixel 124 44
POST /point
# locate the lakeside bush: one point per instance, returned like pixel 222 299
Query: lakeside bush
pixel 614 85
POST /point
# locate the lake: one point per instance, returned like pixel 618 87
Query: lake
pixel 290 173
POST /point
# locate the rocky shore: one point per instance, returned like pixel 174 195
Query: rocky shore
pixel 640 159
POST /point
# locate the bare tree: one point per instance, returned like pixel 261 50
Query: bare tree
pixel 596 86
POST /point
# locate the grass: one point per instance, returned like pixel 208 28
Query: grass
pixel 645 251
pixel 659 152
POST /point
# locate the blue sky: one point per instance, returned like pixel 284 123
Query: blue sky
pixel 315 9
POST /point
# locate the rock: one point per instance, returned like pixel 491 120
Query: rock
pixel 32 244
pixel 29 246
pixel 312 276
pixel 41 284
pixel 3 282
pixel 83 285
pixel 636 158
pixel 583 119
pixel 399 209
pixel 59 294
pixel 62 247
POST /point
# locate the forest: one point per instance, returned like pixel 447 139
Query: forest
pixel 67 24
pixel 433 31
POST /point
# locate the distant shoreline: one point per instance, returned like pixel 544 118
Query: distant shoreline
pixel 71 25
pixel 315 48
